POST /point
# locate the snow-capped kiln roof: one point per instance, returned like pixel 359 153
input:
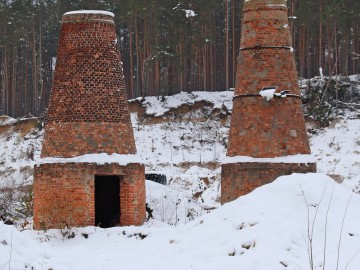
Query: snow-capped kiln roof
pixel 88 16
pixel 100 159
pixel 102 12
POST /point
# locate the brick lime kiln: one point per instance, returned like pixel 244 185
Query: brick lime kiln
pixel 89 173
pixel 267 136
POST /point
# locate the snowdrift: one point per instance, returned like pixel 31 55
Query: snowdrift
pixel 266 229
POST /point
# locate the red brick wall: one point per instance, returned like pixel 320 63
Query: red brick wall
pixel 263 128
pixel 88 113
pixel 75 139
pixel 241 178
pixel 264 24
pixel 258 68
pixel 88 99
pixel 66 192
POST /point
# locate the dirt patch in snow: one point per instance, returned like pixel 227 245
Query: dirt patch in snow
pixel 200 111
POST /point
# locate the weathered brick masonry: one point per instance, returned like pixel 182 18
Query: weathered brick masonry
pixel 262 128
pixel 242 178
pixel 87 114
pixel 88 102
pixel 66 193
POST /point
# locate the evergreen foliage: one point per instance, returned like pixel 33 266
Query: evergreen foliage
pixel 167 46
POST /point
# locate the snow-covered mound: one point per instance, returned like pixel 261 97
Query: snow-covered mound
pixel 4 120
pixel 268 229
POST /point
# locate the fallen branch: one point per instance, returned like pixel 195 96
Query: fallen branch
pixel 349 104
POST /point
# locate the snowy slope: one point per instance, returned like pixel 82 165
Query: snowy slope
pixel 185 137
pixel 20 144
pixel 267 229
pixel 337 150
pixel 187 147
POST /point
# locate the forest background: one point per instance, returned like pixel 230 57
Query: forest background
pixel 167 46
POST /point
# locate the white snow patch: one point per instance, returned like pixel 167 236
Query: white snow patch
pixel 276 5
pixel 171 206
pixel 354 78
pixel 284 159
pixel 155 106
pixel 101 158
pixel 267 93
pixel 103 12
pixel 337 150
pixel 321 73
pixel 5 120
pixel 189 13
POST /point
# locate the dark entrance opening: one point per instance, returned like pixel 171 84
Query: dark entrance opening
pixel 156 177
pixel 107 201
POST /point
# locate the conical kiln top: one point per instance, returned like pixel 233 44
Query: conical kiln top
pixel 88 110
pixel 267 118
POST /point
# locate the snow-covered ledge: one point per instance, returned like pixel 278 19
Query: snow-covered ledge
pixel 102 12
pixel 284 159
pixel 100 159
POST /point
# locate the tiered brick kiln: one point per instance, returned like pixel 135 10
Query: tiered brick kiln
pixel 89 174
pixel 267 131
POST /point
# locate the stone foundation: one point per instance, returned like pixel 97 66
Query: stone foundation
pixel 64 194
pixel 238 179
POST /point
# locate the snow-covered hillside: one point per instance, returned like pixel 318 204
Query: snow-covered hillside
pixel 337 150
pixel 185 138
pixel 20 145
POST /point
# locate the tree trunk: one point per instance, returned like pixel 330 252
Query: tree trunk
pixel 227 45
pixel 34 69
pixel 131 61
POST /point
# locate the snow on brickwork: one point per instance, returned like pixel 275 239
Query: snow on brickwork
pixel 75 12
pixel 285 159
pixel 99 159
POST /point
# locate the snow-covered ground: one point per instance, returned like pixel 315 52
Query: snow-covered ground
pixel 186 148
pixel 20 145
pixel 337 150
pixel 274 227
pixel 267 229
